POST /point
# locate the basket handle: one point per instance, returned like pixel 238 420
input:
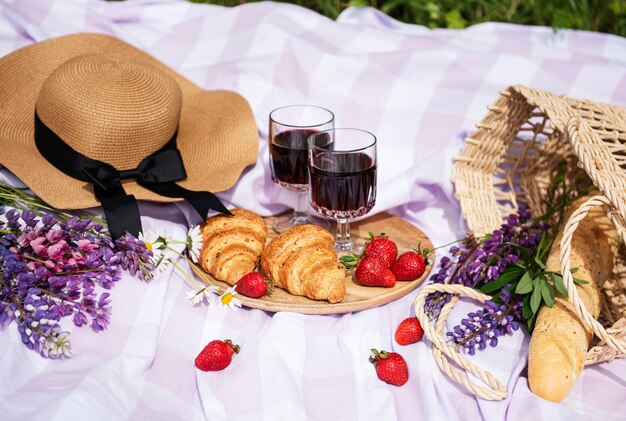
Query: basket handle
pixel 445 354
pixel 572 296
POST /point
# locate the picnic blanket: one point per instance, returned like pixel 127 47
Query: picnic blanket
pixel 419 91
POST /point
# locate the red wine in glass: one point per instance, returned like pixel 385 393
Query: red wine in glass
pixel 343 187
pixel 289 130
pixel 288 158
pixel 342 168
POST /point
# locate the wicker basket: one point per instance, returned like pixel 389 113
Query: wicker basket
pixel 511 161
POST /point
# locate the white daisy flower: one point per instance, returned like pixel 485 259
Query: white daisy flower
pixel 154 238
pixel 228 300
pixel 155 241
pixel 202 296
pixel 194 243
pixel 162 265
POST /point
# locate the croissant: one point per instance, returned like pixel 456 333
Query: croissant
pixel 232 245
pixel 303 261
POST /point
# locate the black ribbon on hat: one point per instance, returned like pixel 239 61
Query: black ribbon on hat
pixel 157 172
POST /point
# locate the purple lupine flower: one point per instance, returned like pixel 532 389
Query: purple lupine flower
pixel 483 260
pixel 51 269
pixel 135 257
pixel 483 327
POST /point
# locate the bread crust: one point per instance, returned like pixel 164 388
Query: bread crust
pixel 232 245
pixel 560 340
pixel 303 261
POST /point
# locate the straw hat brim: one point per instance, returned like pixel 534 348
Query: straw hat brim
pixel 217 134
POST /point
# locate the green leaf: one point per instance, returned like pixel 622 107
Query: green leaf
pixel 433 10
pixel 510 274
pixel 454 20
pixel 492 286
pixel 574 270
pixel 580 281
pixel 526 310
pixel 539 263
pixel 547 292
pixel 544 245
pixel 535 298
pixel 525 285
pixel 557 279
pixel 530 322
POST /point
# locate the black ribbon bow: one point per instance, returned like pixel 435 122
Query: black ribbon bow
pixel 163 166
pixel 157 172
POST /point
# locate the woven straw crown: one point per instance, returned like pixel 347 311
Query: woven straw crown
pixel 110 107
pixel 114 103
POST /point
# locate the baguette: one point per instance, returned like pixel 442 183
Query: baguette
pixel 560 340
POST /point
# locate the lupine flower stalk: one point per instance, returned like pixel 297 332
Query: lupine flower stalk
pixel 53 267
pixel 479 261
pixel 485 326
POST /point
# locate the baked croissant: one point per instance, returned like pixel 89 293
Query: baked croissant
pixel 303 261
pixel 232 245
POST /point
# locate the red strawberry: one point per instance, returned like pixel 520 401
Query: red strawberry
pixel 409 331
pixel 373 272
pixel 390 367
pixel 216 355
pixel 382 247
pixel 252 285
pixel 409 266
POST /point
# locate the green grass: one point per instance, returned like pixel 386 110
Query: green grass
pixel 593 15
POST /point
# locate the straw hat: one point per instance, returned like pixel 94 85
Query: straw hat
pixel 113 103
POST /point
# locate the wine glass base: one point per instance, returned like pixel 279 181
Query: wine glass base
pixel 283 224
pixel 354 246
pixel 344 248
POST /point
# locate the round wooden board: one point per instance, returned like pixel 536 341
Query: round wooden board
pixel 357 297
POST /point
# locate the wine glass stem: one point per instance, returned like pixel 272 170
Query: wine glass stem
pixel 301 210
pixel 343 242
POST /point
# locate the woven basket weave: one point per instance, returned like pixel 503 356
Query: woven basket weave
pixel 510 161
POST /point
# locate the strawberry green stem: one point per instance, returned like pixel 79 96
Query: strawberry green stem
pixel 236 348
pixel 377 355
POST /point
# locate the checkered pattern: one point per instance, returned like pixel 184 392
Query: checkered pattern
pixel 418 90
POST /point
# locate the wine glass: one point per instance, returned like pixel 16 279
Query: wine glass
pixel 342 168
pixel 290 127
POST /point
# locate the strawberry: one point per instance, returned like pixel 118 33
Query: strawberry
pixel 252 285
pixel 390 367
pixel 409 331
pixel 216 355
pixel 382 247
pixel 373 272
pixel 409 266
